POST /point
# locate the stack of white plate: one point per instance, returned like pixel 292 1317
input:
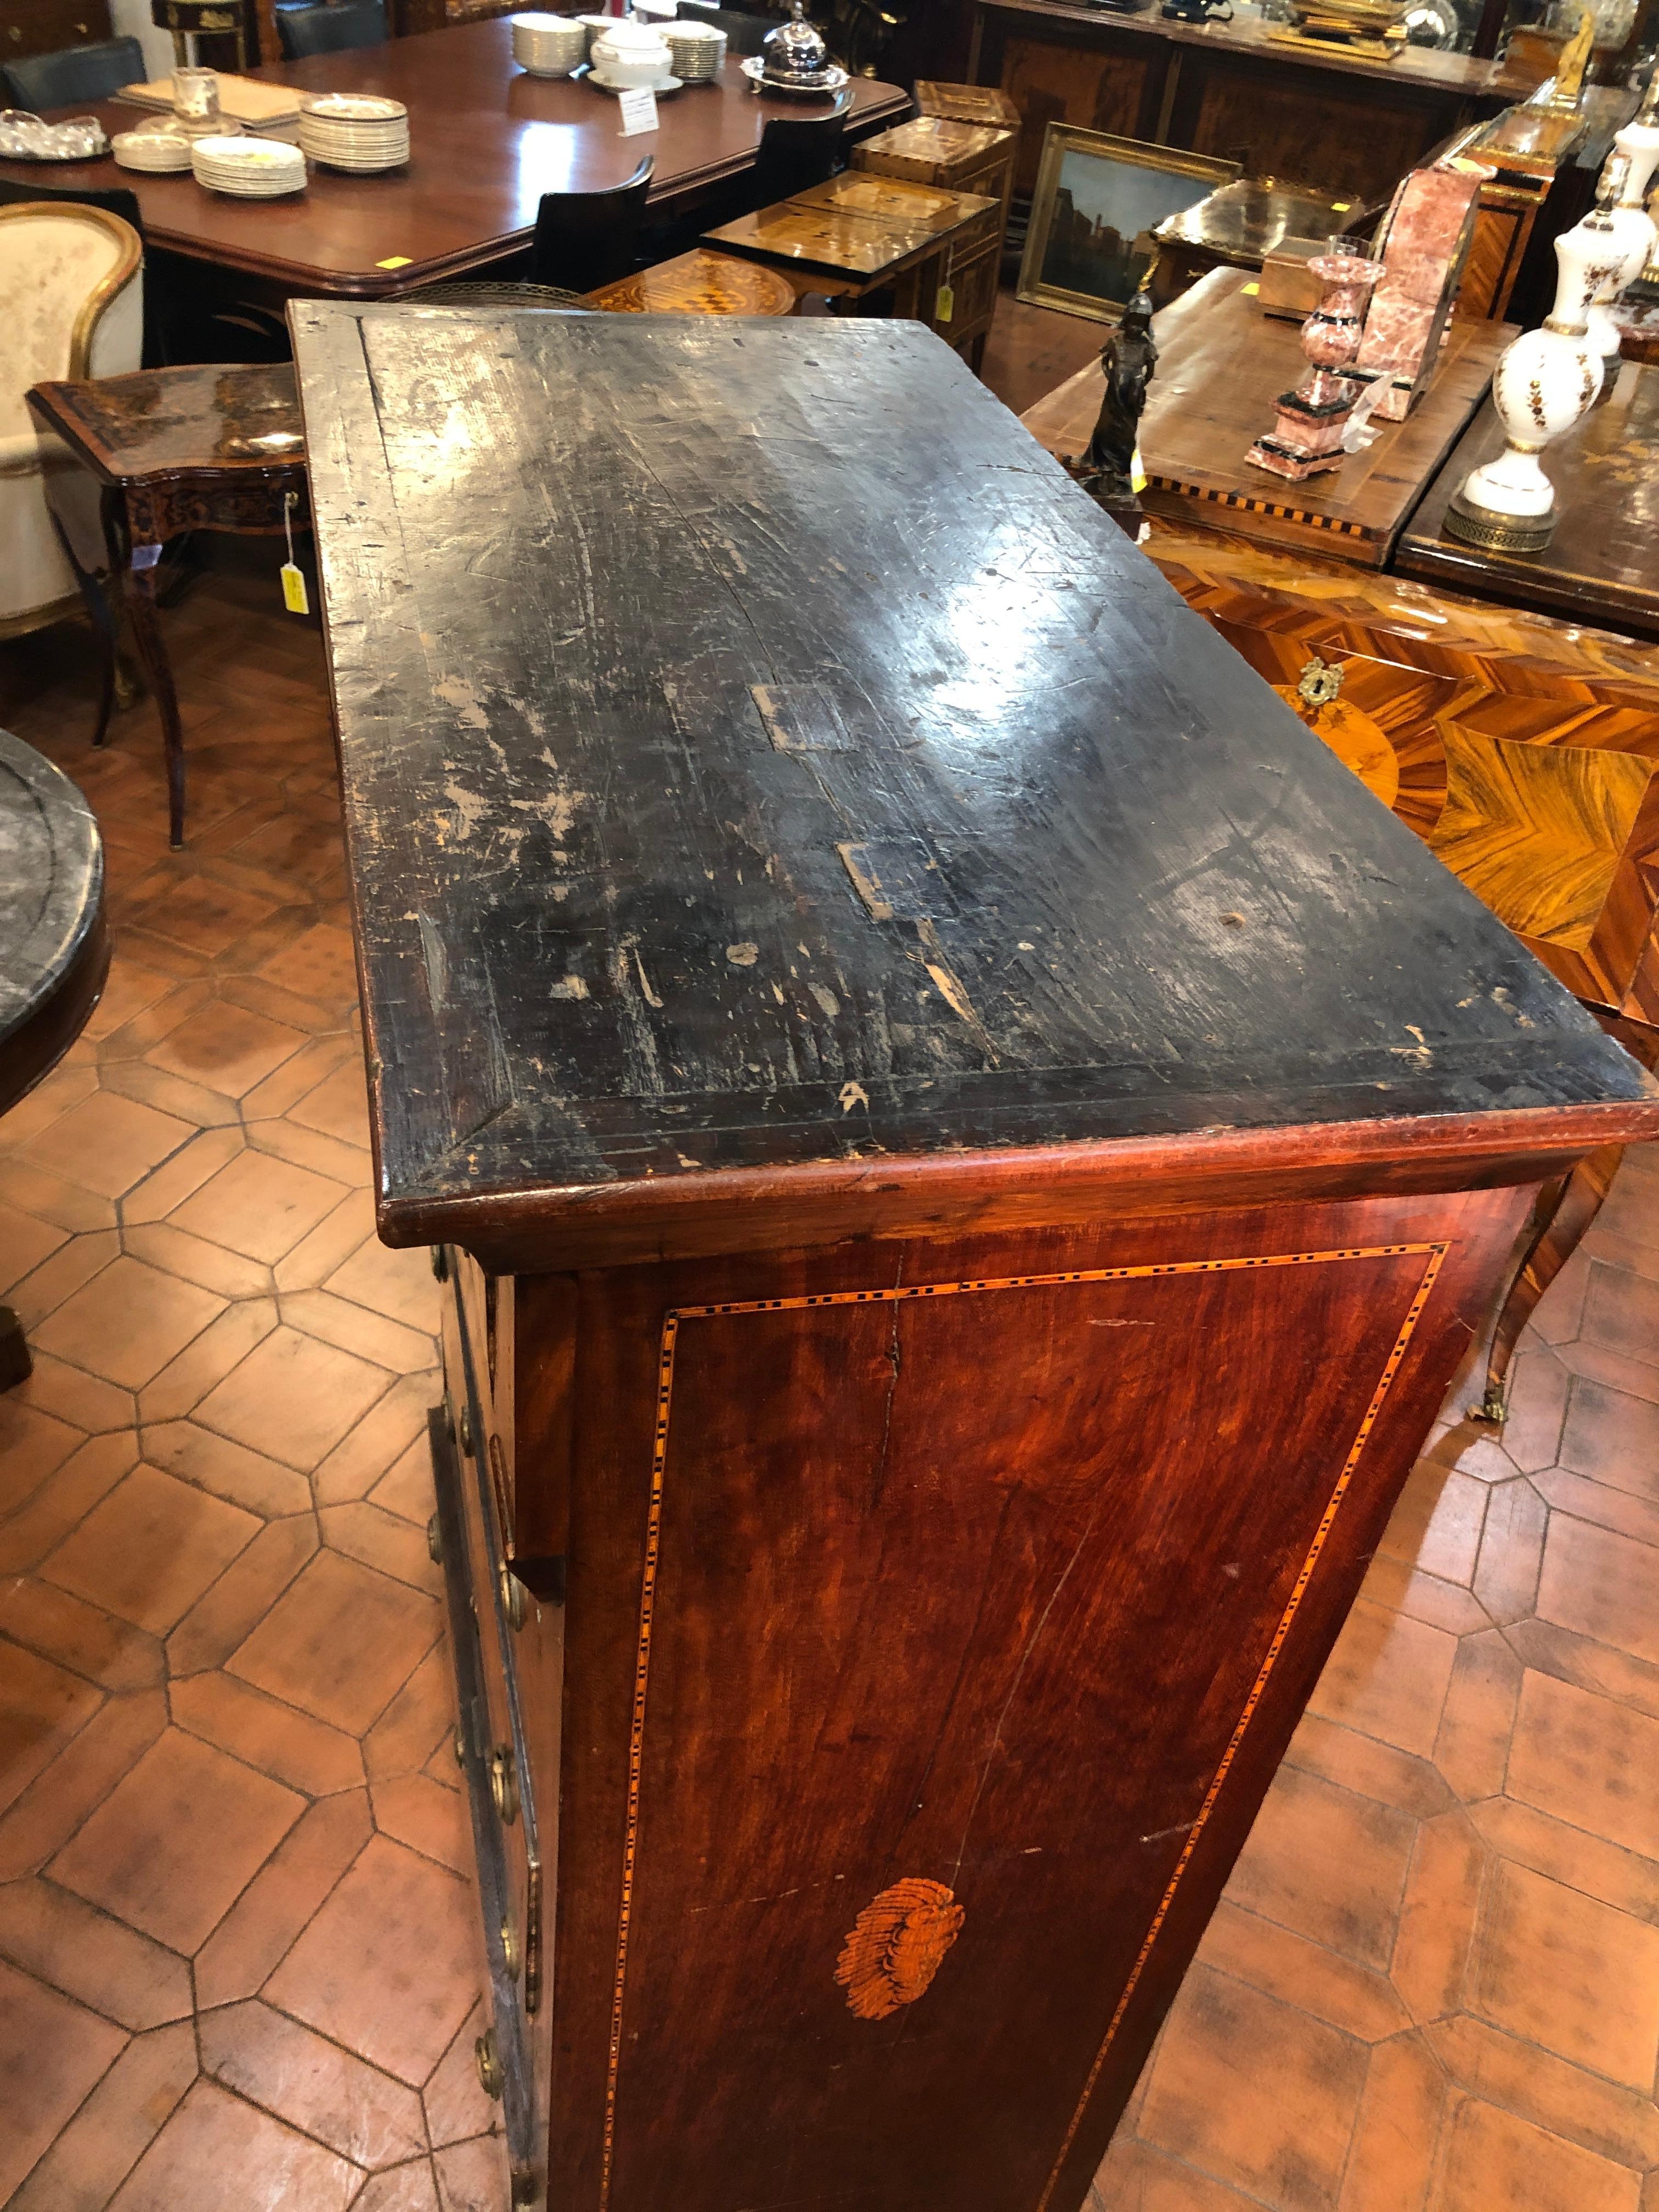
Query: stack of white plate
pixel 159 152
pixel 357 132
pixel 549 46
pixel 248 168
pixel 696 51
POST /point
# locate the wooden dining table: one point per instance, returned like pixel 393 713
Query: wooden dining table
pixel 488 141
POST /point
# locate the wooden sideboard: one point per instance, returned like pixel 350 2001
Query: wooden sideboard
pixel 1297 112
pixel 1524 752
pixel 965 1149
pixel 1222 364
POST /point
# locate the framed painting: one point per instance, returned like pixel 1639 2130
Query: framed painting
pixel 1097 201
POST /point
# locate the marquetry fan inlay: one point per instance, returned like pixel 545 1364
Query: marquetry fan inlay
pixel 1536 831
pixel 896 1945
pixel 1357 739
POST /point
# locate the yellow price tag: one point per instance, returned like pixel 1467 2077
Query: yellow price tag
pixel 1250 290
pixel 394 261
pixel 1340 207
pixel 946 305
pixel 1137 472
pixel 293 590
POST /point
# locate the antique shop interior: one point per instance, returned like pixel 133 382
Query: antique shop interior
pixel 829 1106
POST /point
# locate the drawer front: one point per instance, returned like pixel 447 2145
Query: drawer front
pixel 973 282
pixel 979 232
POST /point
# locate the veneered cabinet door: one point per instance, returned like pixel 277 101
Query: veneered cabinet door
pixel 937 1616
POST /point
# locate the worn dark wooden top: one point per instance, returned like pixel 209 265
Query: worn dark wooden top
pixel 486 141
pixel 1601 565
pixel 53 950
pixel 757 754
pixel 169 422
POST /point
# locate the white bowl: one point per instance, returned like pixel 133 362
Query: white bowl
pixel 628 56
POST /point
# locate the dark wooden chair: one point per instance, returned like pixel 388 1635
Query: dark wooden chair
pixel 745 33
pixel 74 73
pixel 584 239
pixel 318 29
pixel 797 152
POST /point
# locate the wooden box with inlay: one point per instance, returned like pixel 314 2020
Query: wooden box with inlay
pixel 965 1149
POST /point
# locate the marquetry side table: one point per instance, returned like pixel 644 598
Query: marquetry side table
pixel 699 283
pixel 880 244
pixel 54 950
pixel 174 449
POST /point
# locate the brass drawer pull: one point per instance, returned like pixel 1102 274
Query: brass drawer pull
pixel 434 1542
pixel 491 2078
pixel 510 1958
pixel 512 1596
pixel 504 1785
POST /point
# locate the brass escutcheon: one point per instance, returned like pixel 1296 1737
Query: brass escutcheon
pixel 1320 682
pixel 510 1958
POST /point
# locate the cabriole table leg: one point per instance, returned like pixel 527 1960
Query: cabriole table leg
pixel 141 568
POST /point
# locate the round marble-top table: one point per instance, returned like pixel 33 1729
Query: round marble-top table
pixel 54 950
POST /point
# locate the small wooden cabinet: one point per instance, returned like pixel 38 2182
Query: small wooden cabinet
pixel 965 1149
pixel 964 157
pixel 46 26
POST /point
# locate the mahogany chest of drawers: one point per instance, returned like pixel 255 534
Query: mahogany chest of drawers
pixel 965 1148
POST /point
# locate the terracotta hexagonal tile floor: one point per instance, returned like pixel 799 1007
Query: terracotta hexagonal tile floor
pixel 237 1958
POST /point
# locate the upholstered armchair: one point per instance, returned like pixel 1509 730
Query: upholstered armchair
pixel 72 305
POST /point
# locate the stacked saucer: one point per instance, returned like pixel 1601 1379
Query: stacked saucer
pixel 248 168
pixel 696 51
pixel 158 152
pixel 357 132
pixel 549 46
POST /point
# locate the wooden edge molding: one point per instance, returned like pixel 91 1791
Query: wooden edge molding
pixel 703 1214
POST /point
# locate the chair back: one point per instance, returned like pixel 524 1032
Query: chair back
pixel 584 240
pixel 318 29
pixel 74 73
pixel 71 299
pixel 745 33
pixel 797 152
pixel 115 201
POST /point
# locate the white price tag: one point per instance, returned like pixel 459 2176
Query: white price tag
pixel 639 112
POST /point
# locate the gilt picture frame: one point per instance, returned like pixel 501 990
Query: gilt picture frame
pixel 1097 201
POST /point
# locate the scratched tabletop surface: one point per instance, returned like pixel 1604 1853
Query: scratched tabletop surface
pixel 757 752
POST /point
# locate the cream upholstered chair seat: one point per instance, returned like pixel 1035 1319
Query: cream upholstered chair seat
pixel 72 305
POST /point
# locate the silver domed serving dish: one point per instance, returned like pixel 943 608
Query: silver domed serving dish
pixel 795 59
